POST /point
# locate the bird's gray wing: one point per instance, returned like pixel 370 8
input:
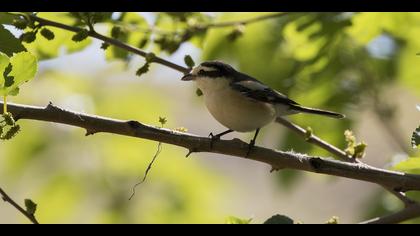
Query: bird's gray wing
pixel 258 91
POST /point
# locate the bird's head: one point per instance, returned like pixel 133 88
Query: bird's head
pixel 209 70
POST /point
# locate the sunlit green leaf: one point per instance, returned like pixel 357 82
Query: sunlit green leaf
pixel 23 68
pixel 8 43
pixel 4 62
pixel 6 18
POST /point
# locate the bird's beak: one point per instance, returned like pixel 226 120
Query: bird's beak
pixel 188 77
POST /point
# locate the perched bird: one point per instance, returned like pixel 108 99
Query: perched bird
pixel 242 103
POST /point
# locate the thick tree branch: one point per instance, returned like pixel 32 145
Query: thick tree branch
pixel 277 159
pixel 8 199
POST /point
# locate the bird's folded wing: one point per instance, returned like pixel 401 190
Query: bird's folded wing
pixel 258 91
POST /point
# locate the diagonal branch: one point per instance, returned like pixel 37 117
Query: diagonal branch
pixel 316 140
pixel 409 212
pixel 111 41
pixel 397 181
pixel 8 199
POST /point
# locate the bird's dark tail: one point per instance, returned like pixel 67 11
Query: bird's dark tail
pixel 317 111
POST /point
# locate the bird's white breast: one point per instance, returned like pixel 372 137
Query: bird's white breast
pixel 231 108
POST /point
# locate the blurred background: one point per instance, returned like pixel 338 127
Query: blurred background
pixel 361 64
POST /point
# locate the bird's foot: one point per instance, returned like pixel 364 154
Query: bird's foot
pixel 213 138
pixel 251 145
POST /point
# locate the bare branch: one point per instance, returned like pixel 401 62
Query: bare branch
pixel 277 159
pixel 410 212
pixel 8 199
pixel 245 22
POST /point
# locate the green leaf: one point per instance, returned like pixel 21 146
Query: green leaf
pixel 43 48
pixel 10 133
pixel 359 150
pixel 23 68
pixel 48 34
pixel 142 70
pixel 279 219
pixel 198 92
pixel 80 36
pixel 189 61
pixel 4 62
pixel 7 18
pixel 162 120
pixel 20 23
pixel 28 37
pixel 236 220
pixel 8 119
pixel 9 44
pixel 30 206
pixel 131 37
pixel 410 165
pixel 415 138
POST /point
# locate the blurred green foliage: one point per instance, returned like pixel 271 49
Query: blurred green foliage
pixel 338 61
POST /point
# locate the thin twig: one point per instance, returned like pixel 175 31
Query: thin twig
pixel 111 41
pixel 245 22
pixel 410 212
pixel 316 140
pixel 8 199
pixel 149 167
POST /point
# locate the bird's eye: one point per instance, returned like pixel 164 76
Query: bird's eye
pixel 201 71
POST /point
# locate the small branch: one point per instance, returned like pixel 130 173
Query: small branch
pixel 276 159
pixel 245 22
pixel 111 41
pixel 8 199
pixel 316 140
pixel 410 212
pixel 401 196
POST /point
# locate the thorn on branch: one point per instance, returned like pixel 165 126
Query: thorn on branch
pixel 90 132
pixel 191 151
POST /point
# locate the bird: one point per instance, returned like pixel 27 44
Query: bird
pixel 242 103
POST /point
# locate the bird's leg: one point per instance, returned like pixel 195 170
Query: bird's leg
pixel 252 143
pixel 217 136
